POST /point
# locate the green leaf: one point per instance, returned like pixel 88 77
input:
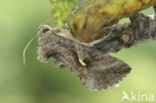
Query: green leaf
pixel 61 9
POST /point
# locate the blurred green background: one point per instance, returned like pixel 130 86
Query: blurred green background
pixel 43 83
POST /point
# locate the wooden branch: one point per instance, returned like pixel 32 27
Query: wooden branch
pixel 140 29
pixel 87 26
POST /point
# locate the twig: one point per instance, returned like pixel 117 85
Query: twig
pixel 75 10
pixel 140 29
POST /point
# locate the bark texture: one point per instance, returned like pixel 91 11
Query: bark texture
pixel 140 29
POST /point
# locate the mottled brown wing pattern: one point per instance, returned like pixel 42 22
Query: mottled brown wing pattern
pixel 95 69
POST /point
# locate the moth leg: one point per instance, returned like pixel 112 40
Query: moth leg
pixel 59 63
pixel 42 54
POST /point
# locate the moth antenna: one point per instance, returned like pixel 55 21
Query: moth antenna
pixel 25 49
pixel 75 10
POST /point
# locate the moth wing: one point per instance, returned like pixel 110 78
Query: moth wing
pixel 105 72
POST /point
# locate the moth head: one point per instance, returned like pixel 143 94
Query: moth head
pixel 45 31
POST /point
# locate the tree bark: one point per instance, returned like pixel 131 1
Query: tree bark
pixel 140 29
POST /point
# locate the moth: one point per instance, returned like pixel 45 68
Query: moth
pixel 95 69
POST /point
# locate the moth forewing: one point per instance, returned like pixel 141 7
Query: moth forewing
pixel 100 71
